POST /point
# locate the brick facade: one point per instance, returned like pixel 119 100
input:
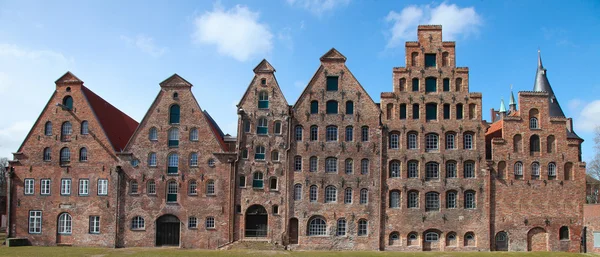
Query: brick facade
pixel 420 171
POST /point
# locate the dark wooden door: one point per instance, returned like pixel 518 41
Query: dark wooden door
pixel 167 231
pixel 502 241
pixel 293 231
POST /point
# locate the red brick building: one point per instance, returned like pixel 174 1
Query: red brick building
pixel 420 171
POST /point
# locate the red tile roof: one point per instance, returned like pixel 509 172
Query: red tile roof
pixel 216 130
pixel 496 126
pixel 118 126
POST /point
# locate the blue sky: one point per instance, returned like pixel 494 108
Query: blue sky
pixel 123 49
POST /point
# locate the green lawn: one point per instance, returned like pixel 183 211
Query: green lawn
pixel 148 252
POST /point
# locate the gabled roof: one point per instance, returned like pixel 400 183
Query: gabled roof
pixel 68 78
pixel 542 84
pixel 264 66
pixel 333 55
pixel 175 81
pixel 216 130
pixel 117 125
pixel 496 126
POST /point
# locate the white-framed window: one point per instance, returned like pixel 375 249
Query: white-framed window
pixel 364 196
pixel 35 222
pixel 133 187
pixel 470 199
pixel 210 222
pixel 193 187
pixel 450 141
pixel 331 165
pixel 153 134
pixel 84 186
pixel 312 194
pixel 412 140
pixel 172 189
pixel 173 163
pixel 151 187
pixel 29 186
pixel 83 154
pixel 263 100
pixel 341 227
pixel 317 227
pixel 194 159
pixel 138 223
pixel 348 195
pixel 277 128
pixel 102 186
pixel 451 169
pixel 432 201
pixel 349 163
pixel 431 142
pixel 192 222
pixel 45 187
pixel 94 224
pixel 395 199
pixel 331 133
pixel 363 227
pixel 551 170
pixel 65 186
pixel 349 134
pixel 364 166
pixel 84 128
pixel 413 200
pixel 451 200
pixel 413 169
pixel 298 192
pixel 194 134
pixel 330 194
pixel 298 133
pixel 65 155
pixel 364 132
pixel 314 133
pixel 173 137
pixel 313 164
pixel 432 237
pixel 394 169
pixel 298 163
pixel 260 153
pixel 262 126
pixel 48 128
pixel 210 187
pixel 152 159
pixel 432 171
pixel 535 170
pixel 469 169
pixel 519 169
pixel 468 141
pixel 64 224
pixel 533 123
pixel 394 140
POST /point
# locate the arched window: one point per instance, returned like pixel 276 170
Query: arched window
pixel 48 128
pixel 364 196
pixel 458 84
pixel 331 107
pixel 451 169
pixel 413 169
pixel 65 155
pixel 402 84
pixel 432 237
pixel 431 142
pixel 172 191
pixel 298 192
pixel 275 156
pixel 84 128
pixel 432 171
pixel 415 111
pixel 68 102
pixel 260 153
pixel 137 223
pixel 64 224
pixel 564 233
pixel 173 162
pixel 413 200
pixel 83 156
pixel 394 140
pixel 459 111
pixel 174 114
pixel 451 239
pixel 263 100
pixel 317 227
pixel 430 85
pixel 470 199
pixel 411 142
pixel 151 187
pixel 66 131
pixel 533 119
pixel 363 227
pixel 517 143
pixel 395 199
pixel 312 193
pixel 451 202
pixel 247 126
pixel 153 134
pixel 330 194
pixel 550 144
pixel 298 133
pixel 348 195
pixel 173 137
pixel 257 180
pixel 412 239
pixel 314 107
pixel 194 134
pixel 349 169
pixel 534 144
pixel 415 85
pixel 349 107
pixel 364 133
pixel 364 166
pixel 518 170
pixel 194 159
pixel 349 134
pixel 394 169
pixel 413 59
pixel 450 140
pixel 262 127
pixel 341 227
pixel 402 111
pixel 535 170
pixel 313 163
pixel 432 201
pixel 331 133
pixel 314 133
pixel 273 184
pixel 551 171
pixel 469 169
pixel 47 154
pixel 469 239
pixel 331 165
pixel 468 138
pixel 277 127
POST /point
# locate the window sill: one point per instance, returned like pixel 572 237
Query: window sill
pixel 196 194
pixel 172 174
pixel 213 229
pixel 172 203
pixel 193 228
pixel 258 188
pixel 138 229
pixel 211 195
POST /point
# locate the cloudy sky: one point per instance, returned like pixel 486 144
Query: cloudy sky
pixel 123 49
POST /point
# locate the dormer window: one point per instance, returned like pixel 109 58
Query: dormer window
pixel 332 83
pixel 430 60
pixel 68 102
pixel 263 82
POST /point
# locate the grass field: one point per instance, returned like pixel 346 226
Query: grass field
pixel 149 252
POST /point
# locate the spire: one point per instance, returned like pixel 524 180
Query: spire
pixel 502 107
pixel 512 97
pixel 542 84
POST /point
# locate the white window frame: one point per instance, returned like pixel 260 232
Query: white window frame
pixel 395 169
pixel 102 186
pixel 45 186
pixel 413 169
pixel 412 139
pixel 363 227
pixel 330 194
pixel 450 141
pixel 192 222
pixel 394 140
pixel 395 199
pixel 468 141
pixel 313 164
pixel 364 196
pixel 364 166
pixel 194 134
pixel 349 166
pixel 35 222
pixel 312 194
pixel 210 223
pixel 432 142
pixel 349 134
pixel 194 159
pixel 65 186
pixel 331 165
pixel 138 223
pixel 317 227
pixel 341 227
pixel 297 163
pixel 451 200
pixel 297 192
pixel 152 159
pixel 65 224
pixel 331 133
pixel 314 133
pixel 84 186
pixel 29 186
pixel 348 195
pixel 151 187
pixel 94 224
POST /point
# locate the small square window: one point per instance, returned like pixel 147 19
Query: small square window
pixel 430 60
pixel 332 83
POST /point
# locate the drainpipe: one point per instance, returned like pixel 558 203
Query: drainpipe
pixel 9 201
pixel 118 206
pixel 287 201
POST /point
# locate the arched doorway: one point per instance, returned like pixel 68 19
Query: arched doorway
pixel 537 240
pixel 256 221
pixel 431 240
pixel 64 229
pixel 501 241
pixel 167 230
pixel 293 231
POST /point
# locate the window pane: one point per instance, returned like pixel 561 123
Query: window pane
pixel 430 85
pixel 332 83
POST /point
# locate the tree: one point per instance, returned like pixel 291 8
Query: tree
pixel 593 167
pixel 3 173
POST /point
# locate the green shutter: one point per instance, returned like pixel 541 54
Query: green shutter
pixel 332 107
pixel 172 170
pixel 415 111
pixel 403 111
pixel 173 143
pixel 429 60
pixel 415 85
pixel 257 183
pixel 259 156
pixel 174 114
pixel 459 112
pixel 446 111
pixel 430 85
pixel 171 197
pixel 332 83
pixel 262 130
pixel 349 107
pixel 431 112
pixel 314 107
pixel 446 85
pixel 263 104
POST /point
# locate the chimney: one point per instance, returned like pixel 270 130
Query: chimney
pixel 570 124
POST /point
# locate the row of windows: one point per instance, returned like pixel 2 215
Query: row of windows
pixel 534 144
pixel 535 170
pixel 65 186
pixel 262 127
pixel 433 237
pixel 331 107
pixel 172 191
pixel 431 111
pixel 173 161
pixel 138 223
pixel 432 141
pixel 432 169
pixel 432 200
pixel 430 59
pixel 331 133
pixel 317 226
pixel 330 194
pixel 331 165
pixel 173 135
pixel 65 155
pixel 431 85
pixel 66 129
pixel 65 223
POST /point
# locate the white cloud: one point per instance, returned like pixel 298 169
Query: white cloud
pixel 236 32
pixel 12 136
pixel 589 117
pixel 455 21
pixel 318 7
pixel 574 104
pixel 145 44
